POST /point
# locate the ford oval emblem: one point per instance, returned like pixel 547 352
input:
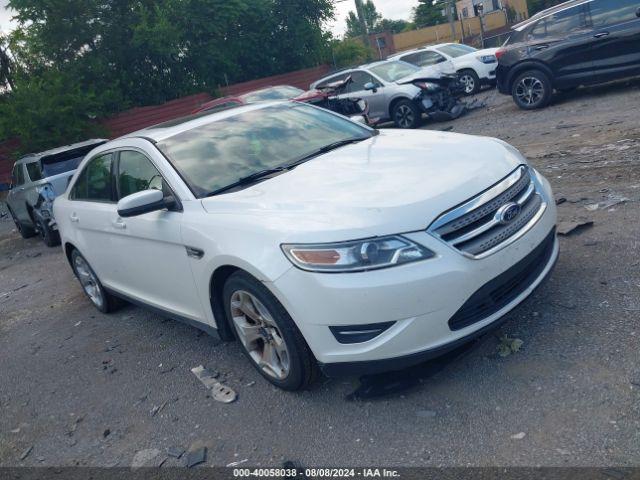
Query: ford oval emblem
pixel 508 213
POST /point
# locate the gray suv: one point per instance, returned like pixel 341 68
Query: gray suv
pixel 381 84
pixel 36 180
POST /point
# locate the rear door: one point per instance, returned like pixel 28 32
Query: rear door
pixel 16 198
pixel 152 263
pixel 92 206
pixel 616 48
pixel 564 41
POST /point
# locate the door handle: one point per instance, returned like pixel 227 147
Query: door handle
pixel 541 47
pixel 74 218
pixel 601 34
pixel 119 224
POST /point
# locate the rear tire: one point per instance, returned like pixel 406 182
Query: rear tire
pixel 470 81
pixel 406 114
pixel 25 231
pixel 267 334
pixel 101 299
pixel 531 90
pixel 50 237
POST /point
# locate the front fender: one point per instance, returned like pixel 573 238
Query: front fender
pixel 529 64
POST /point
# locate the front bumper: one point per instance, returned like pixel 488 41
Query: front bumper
pixel 421 298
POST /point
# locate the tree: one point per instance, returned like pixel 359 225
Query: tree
pixel 114 54
pixel 393 26
pixel 536 6
pixel 371 18
pixel 6 65
pixel 350 52
pixel 426 14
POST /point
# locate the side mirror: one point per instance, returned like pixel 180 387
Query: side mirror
pixel 371 86
pixel 142 202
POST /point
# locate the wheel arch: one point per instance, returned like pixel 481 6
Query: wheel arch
pixel 216 286
pixel 394 102
pixel 68 250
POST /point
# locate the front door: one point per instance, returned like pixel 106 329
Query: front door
pixel 616 46
pixel 152 262
pixel 376 99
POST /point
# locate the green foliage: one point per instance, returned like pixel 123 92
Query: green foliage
pixel 50 109
pixel 6 65
pixel 371 18
pixel 393 26
pixel 114 54
pixel 426 14
pixel 350 52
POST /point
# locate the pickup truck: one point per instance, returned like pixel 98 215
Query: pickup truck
pixel 36 180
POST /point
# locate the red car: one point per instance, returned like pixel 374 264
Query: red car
pixel 281 92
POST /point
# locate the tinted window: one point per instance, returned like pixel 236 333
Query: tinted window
pixel 560 24
pixel 217 154
pixel 136 173
pixel 394 70
pixel 360 79
pixel 34 171
pixel 94 182
pixel 605 13
pixel 456 50
pixel 426 59
pixel 18 175
pixel 61 163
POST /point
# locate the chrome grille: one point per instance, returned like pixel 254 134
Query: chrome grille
pixel 476 228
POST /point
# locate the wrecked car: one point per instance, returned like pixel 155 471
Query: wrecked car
pixel 315 241
pixel 36 180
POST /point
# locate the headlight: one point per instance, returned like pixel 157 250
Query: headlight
pixel 356 256
pixel 488 58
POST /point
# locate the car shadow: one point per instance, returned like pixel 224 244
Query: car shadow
pixel 617 86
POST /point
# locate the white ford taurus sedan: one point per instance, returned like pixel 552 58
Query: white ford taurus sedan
pixel 313 240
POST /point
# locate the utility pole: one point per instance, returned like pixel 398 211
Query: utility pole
pixel 363 22
pixel 450 8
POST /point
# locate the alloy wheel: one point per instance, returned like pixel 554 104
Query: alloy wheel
pixel 404 116
pixel 469 83
pixel 530 91
pixel 88 281
pixel 259 334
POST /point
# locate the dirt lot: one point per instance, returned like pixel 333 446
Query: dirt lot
pixel 80 387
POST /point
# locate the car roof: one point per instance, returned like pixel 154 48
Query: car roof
pixel 66 148
pixel 162 131
pixel 549 11
pixel 396 56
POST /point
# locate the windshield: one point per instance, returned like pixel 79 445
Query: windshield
pixel 275 93
pixel 392 71
pixel 456 50
pixel 216 155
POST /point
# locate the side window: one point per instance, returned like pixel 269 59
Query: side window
pixel 94 182
pixel 560 24
pixel 136 173
pixel 360 79
pixel 426 59
pixel 34 171
pixel 411 58
pixel 17 176
pixel 330 80
pixel 605 13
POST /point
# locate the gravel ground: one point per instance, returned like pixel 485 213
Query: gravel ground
pixel 79 387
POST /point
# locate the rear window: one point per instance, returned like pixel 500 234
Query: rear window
pixel 560 24
pixel 456 50
pixel 392 71
pixel 605 13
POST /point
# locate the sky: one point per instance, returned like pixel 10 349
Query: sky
pixel 392 9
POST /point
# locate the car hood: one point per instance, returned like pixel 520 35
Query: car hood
pixel 398 181
pixel 433 71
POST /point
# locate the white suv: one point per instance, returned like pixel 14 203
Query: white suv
pixel 312 239
pixel 475 67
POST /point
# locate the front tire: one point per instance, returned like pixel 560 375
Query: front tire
pixel 406 114
pixel 101 299
pixel 267 334
pixel 51 238
pixel 531 90
pixel 470 81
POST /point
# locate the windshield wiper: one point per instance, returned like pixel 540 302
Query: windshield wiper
pixel 289 166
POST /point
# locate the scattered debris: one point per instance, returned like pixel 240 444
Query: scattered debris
pixel 426 413
pixel 612 202
pixel 508 345
pixel 569 228
pixel 235 464
pixel 250 384
pixel 175 452
pixel 106 433
pixel 146 458
pixel 26 452
pixel 196 457
pixel 519 436
pixel 219 392
pixel 560 200
pixel 563 451
pixel 157 408
pixel 16 430
pixel 74 426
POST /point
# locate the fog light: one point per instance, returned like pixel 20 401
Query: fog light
pixel 359 333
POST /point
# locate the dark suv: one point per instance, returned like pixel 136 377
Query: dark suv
pixel 575 43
